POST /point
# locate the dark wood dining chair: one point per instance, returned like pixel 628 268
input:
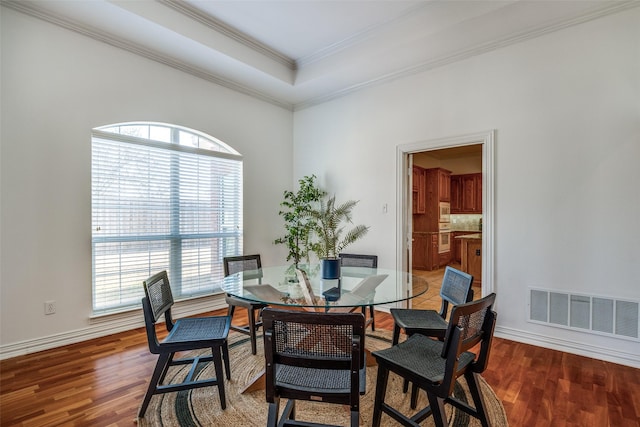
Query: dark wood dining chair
pixel 184 335
pixel 313 356
pixel 251 266
pixel 434 365
pixel 369 262
pixel 456 289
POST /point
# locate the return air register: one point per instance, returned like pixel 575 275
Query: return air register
pixel 586 313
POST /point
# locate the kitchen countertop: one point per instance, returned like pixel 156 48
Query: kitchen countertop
pixel 475 236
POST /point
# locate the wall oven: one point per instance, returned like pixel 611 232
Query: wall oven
pixel 444 237
pixel 444 212
pixel 444 241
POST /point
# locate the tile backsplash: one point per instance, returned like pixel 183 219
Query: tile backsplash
pixel 466 222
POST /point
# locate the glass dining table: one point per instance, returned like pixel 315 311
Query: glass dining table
pixel 356 287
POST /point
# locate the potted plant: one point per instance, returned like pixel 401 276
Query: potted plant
pixel 298 222
pixel 329 222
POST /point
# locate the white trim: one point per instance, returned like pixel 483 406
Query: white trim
pixel 531 33
pixel 567 346
pixel 460 55
pixel 221 27
pixel 162 145
pixel 107 325
pixel 402 208
pixel 487 139
pixel 359 37
pixel 142 51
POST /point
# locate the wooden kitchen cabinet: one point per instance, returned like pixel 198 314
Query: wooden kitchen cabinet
pixel 426 223
pixel 444 185
pixel 419 191
pixel 444 258
pixel 471 261
pixel 436 182
pixel 456 245
pixel 417 171
pixel 420 250
pixel 455 191
pixel 425 251
pixel 466 194
pixel 433 256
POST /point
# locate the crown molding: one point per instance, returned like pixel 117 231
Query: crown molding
pixel 221 27
pixel 357 38
pixel 472 51
pixel 36 12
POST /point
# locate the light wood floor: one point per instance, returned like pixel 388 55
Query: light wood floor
pixel 101 382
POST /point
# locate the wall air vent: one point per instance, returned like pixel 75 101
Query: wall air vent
pixel 586 313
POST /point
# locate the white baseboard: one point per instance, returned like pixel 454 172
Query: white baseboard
pixel 107 325
pixel 587 350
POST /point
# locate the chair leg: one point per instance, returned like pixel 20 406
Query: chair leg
pixel 381 391
pixel 290 410
pixel 355 418
pixel 414 396
pixel 217 363
pixel 437 410
pixel 373 318
pixel 396 334
pixel 394 341
pixel 225 359
pixel 274 409
pixel 405 387
pixel 167 365
pixel 252 329
pixel 161 367
pixel 231 310
pixel 477 397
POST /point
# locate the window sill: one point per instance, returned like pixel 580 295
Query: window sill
pixel 182 308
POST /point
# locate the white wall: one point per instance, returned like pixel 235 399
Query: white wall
pixel 565 106
pixel 566 110
pixel 56 87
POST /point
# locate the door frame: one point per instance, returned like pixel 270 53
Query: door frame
pixel 403 203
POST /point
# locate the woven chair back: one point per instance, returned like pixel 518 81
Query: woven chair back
pixel 158 291
pixel 456 286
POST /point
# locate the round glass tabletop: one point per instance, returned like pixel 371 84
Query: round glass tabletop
pixel 357 286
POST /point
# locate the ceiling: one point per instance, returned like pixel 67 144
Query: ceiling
pixel 300 53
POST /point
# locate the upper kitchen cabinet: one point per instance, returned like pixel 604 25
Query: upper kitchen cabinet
pixel 438 185
pixel 432 189
pixel 419 191
pixel 466 194
pixel 456 191
pixel 444 185
pixel 438 190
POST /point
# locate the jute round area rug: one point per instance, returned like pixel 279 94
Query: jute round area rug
pixel 201 407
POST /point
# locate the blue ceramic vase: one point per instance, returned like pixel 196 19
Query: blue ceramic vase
pixel 330 268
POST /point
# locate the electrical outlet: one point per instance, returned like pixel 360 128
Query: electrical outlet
pixel 49 307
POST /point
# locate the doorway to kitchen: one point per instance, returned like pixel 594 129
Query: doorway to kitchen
pixel 431 209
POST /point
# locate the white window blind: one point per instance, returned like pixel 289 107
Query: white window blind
pixel 163 198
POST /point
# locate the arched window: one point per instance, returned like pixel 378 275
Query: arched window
pixel 163 197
